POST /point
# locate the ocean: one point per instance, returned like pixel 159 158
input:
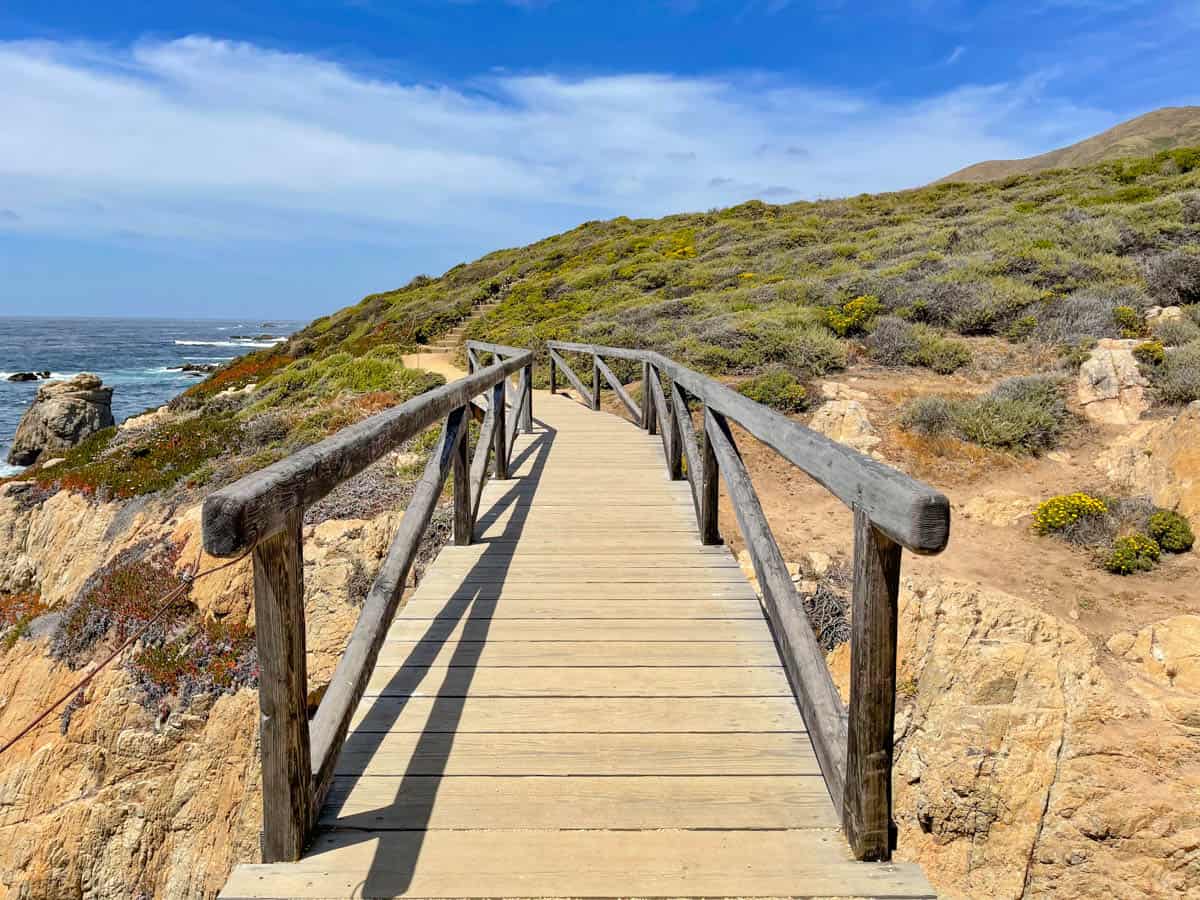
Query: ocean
pixel 132 355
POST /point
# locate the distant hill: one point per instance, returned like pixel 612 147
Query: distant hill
pixel 1163 129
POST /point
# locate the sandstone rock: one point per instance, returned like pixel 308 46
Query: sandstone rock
pixel 1110 387
pixel 816 563
pixel 1023 769
pixel 151 419
pixel 62 414
pixel 1156 315
pixel 833 390
pixel 1167 651
pixel 845 421
pixel 1161 459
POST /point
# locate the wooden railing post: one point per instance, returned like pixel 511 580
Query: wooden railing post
pixel 527 410
pixel 709 481
pixel 867 803
pixel 283 691
pixel 674 441
pixel 553 376
pixel 464 523
pixel 595 382
pixel 649 410
pixel 500 447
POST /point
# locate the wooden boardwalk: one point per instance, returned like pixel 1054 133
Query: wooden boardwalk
pixel 586 702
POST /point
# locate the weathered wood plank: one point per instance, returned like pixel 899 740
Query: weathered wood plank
pixel 464 521
pixel 818 698
pixel 470 753
pixel 595 382
pixel 686 435
pixel 487 628
pixel 572 377
pixel 479 462
pixel 288 802
pixel 867 806
pixel 257 506
pixel 527 399
pixel 638 802
pixel 619 389
pixel 349 680
pixel 699 863
pixel 576 715
pixel 599 681
pixel 500 442
pixel 563 654
pixel 708 494
pixel 662 417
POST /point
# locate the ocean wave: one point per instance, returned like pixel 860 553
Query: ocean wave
pixel 271 343
pixel 7 471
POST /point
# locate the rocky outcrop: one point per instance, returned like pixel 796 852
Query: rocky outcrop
pixel 845 421
pixel 28 376
pixel 1161 459
pixel 1027 765
pixel 1156 315
pixel 62 414
pixel 1110 387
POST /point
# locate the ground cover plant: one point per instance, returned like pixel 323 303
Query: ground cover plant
pixel 1125 535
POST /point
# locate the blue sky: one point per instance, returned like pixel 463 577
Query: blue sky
pixel 283 159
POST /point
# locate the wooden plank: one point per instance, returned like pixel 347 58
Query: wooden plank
pixel 598 681
pixel 666 427
pixel 576 715
pixel 571 377
pixel 708 494
pixel 868 793
pixel 606 572
pixel 686 436
pixel 641 802
pixel 579 653
pixel 500 445
pixel 527 399
pixel 667 863
pixel 479 462
pixel 464 519
pixel 600 755
pixel 329 726
pixel 819 700
pixel 256 506
pixel 596 383
pixel 569 593
pixel 491 629
pixel 288 802
pixel 556 608
pixel 619 389
pixel 648 419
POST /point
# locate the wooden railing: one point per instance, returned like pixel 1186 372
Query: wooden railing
pixel 891 511
pixel 264 512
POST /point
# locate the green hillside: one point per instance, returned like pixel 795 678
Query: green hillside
pixel 1162 129
pixel 919 278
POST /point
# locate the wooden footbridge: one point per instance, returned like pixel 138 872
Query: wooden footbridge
pixel 584 697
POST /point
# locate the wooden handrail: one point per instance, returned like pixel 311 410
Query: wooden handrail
pixel 891 511
pixel 265 511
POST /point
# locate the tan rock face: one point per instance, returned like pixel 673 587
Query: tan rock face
pixel 1000 508
pixel 1110 388
pixel 1161 459
pixel 62 414
pixel 1158 314
pixel 845 421
pixel 1023 769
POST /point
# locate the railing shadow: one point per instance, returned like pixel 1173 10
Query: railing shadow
pixel 396 856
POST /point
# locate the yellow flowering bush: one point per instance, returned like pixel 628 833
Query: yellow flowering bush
pixel 1134 553
pixel 1065 510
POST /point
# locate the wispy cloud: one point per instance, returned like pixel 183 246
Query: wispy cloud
pixel 206 138
pixel 955 55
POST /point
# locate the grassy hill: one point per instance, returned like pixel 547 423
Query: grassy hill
pixel 1162 129
pixel 1041 264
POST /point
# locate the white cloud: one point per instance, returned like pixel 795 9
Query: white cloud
pixel 206 138
pixel 955 55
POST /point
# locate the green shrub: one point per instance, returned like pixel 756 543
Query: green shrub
pixel 853 316
pixel 1128 320
pixel 1171 531
pixel 1021 328
pixel 892 342
pixel 929 416
pixel 779 390
pixel 1179 381
pixel 1061 512
pixel 942 355
pixel 1073 356
pixel 1150 353
pixel 1132 553
pixel 1177 332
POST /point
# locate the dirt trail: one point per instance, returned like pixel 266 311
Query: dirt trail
pixel 440 363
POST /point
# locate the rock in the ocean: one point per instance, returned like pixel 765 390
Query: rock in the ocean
pixel 28 376
pixel 194 368
pixel 1111 388
pixel 62 414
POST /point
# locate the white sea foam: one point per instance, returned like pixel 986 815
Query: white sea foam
pixel 269 343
